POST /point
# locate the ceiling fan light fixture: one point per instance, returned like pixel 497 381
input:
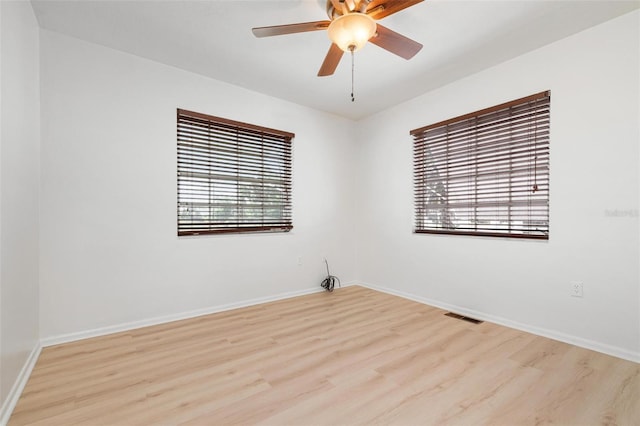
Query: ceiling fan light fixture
pixel 351 31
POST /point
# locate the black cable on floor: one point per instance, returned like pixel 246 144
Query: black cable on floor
pixel 329 282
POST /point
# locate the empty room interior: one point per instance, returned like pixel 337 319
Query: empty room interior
pixel 321 212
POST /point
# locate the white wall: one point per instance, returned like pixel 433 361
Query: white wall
pixel 109 251
pixel 593 78
pixel 19 186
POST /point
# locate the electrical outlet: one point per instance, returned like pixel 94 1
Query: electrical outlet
pixel 576 289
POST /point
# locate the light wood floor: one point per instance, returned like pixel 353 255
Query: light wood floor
pixel 355 356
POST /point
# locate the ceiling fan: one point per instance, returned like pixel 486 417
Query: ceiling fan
pixel 351 24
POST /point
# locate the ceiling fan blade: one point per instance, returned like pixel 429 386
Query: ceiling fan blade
pixel 379 9
pixel 395 43
pixel 331 61
pixel 290 28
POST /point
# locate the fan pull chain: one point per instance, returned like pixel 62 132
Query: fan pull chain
pixel 353 66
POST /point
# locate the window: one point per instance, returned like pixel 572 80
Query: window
pixel 485 173
pixel 232 176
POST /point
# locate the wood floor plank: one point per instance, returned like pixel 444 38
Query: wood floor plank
pixel 354 356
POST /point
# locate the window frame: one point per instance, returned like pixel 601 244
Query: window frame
pixel 234 167
pixel 493 149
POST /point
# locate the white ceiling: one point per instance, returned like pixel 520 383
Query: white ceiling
pixel 214 38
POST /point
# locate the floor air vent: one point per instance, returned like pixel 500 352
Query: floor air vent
pixel 463 318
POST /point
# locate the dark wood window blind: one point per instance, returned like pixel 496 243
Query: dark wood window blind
pixel 232 176
pixel 485 173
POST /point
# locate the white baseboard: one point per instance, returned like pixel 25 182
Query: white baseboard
pixel 18 386
pixel 552 334
pixel 348 284
pixel 72 337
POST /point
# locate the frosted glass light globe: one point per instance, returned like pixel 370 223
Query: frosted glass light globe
pixel 351 31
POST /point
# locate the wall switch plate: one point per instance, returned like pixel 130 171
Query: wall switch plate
pixel 576 289
pixel 299 260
